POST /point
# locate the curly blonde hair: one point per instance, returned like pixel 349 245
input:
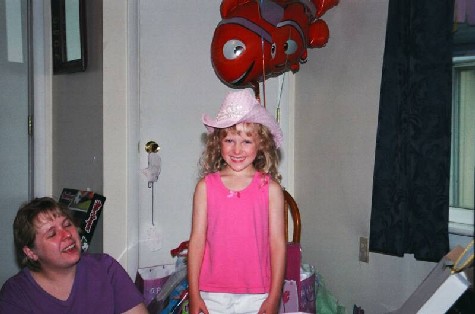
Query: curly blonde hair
pixel 267 159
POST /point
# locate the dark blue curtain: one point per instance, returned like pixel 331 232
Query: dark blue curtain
pixel 410 204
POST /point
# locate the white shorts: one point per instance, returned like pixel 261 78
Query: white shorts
pixel 231 303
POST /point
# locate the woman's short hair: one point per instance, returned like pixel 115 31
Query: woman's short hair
pixel 24 229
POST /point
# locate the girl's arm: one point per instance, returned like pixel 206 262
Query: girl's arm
pixel 278 248
pixel 196 248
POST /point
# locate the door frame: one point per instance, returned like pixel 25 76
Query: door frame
pixel 120 145
pixel 42 99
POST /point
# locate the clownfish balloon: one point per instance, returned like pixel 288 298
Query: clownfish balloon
pixel 257 39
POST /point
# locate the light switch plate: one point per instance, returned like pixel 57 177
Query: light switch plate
pixel 364 250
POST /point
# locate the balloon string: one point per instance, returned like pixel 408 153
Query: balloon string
pixel 281 88
pixel 263 64
pixel 263 73
pixel 256 86
pixel 280 98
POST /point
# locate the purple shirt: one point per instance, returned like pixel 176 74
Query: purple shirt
pixel 101 286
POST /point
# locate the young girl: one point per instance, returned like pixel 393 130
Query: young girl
pixel 236 255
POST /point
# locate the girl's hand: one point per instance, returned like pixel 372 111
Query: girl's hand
pixel 198 306
pixel 269 306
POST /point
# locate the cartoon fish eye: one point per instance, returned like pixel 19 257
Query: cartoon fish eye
pixel 290 47
pixel 233 48
pixel 273 50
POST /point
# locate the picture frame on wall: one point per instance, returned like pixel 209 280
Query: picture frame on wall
pixel 69 46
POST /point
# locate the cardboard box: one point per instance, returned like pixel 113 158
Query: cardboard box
pixel 439 290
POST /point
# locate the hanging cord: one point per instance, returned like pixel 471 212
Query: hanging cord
pixel 153 169
pixel 153 202
pixel 151 186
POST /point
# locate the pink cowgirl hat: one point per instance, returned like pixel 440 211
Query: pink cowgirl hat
pixel 242 106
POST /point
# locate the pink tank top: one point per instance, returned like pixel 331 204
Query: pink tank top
pixel 237 252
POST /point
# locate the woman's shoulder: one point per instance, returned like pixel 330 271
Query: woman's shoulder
pixel 20 278
pixel 100 264
pixel 17 287
pixel 96 256
pixel 98 259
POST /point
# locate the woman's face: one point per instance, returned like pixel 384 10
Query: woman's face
pixel 57 244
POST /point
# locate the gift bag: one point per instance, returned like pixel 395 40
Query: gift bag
pixel 173 295
pixel 290 297
pixel 299 286
pixel 178 299
pixel 150 280
pixel 326 301
pixel 307 298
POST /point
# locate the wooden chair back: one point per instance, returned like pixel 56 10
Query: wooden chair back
pixel 290 206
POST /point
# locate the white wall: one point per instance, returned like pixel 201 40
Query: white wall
pixel 337 99
pixel 336 107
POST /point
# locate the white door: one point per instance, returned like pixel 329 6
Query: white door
pixel 176 85
pixel 14 139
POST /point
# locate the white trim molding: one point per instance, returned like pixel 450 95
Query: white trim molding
pixel 121 218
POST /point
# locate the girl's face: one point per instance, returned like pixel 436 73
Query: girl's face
pixel 239 147
pixel 57 244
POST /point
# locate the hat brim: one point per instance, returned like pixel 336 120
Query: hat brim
pixel 258 114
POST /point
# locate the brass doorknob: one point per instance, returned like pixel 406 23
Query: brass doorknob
pixel 152 147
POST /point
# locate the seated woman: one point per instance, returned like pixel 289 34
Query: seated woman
pixel 55 276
